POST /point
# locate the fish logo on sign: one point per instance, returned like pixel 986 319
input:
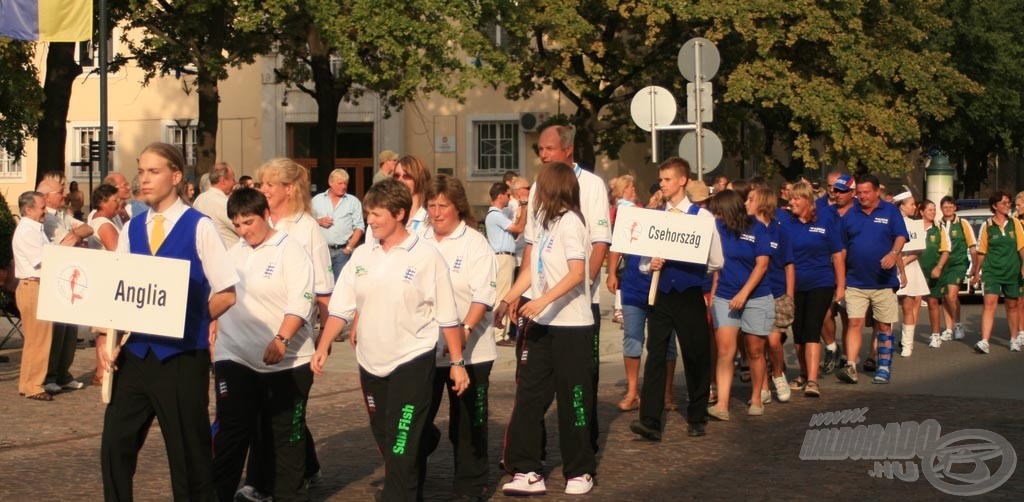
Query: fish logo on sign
pixel 72 283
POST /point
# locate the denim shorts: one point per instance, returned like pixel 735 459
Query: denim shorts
pixel 757 317
pixel 634 329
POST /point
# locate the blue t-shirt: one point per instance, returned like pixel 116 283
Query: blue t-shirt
pixel 741 252
pixel 869 237
pixel 635 285
pixel 813 244
pixel 782 255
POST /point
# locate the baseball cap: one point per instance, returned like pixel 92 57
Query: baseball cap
pixel 843 184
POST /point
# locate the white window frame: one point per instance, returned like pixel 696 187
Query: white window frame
pixel 77 152
pixel 170 128
pixel 10 167
pixel 88 65
pixel 472 152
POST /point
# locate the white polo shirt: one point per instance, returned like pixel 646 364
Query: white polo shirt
pixel 595 208
pixel 214 258
pixel 276 280
pixel 305 230
pixel 566 240
pixel 419 223
pixel 27 244
pixel 403 296
pixel 214 203
pixel 472 267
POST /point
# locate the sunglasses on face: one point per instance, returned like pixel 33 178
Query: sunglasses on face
pixel 401 177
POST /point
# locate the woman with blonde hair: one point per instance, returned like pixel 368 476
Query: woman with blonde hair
pixel 413 173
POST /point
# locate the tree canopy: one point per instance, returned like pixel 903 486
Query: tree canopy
pixel 21 95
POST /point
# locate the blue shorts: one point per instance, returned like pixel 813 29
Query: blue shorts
pixel 634 327
pixel 757 317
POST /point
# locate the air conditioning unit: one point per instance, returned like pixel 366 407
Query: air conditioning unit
pixel 530 121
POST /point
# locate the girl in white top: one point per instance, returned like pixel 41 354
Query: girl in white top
pixel 917 285
pixel 473 268
pixel 557 351
pixel 413 173
pixel 400 286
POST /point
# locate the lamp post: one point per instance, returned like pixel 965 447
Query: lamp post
pixel 940 177
pixel 184 124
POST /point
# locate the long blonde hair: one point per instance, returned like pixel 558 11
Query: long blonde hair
pixel 288 172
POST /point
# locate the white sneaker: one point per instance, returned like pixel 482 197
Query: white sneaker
pixel 73 385
pixel 981 347
pixel 579 485
pixel 782 391
pixel 52 388
pixel 936 341
pixel 907 351
pixel 529 483
pixel 249 494
pixel 947 335
pixel 766 397
pixel 1015 344
pixel 958 332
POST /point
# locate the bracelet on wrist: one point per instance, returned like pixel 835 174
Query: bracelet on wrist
pixel 284 341
pixel 460 362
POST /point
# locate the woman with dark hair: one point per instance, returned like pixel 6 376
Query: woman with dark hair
pixel 1000 246
pixel 557 340
pixel 472 267
pixel 413 173
pixel 105 233
pixel 742 299
pixel 820 279
pixel 402 290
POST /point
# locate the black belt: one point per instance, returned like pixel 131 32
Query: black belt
pixel 335 247
pixel 505 252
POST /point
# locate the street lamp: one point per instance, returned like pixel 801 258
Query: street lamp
pixel 184 124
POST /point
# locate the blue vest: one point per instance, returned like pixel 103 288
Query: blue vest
pixel 180 243
pixel 680 275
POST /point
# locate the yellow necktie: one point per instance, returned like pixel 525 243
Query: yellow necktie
pixel 674 210
pixel 156 235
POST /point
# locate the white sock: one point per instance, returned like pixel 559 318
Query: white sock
pixel 832 346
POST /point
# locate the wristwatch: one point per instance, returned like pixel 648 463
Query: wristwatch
pixel 467 326
pixel 284 341
pixel 460 362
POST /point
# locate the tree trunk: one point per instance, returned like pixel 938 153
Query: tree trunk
pixel 61 70
pixel 206 131
pixel 584 150
pixel 327 100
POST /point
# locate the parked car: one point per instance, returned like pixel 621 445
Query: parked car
pixel 976 218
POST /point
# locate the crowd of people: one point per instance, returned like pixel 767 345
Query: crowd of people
pixel 276 276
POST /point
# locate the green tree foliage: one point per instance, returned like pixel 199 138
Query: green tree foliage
pixel 21 96
pixel 338 50
pixel 857 75
pixel 196 40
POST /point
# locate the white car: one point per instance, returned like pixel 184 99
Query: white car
pixel 976 217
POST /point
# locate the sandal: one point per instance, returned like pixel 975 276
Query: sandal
pixel 713 395
pixel 811 390
pixel 744 374
pixel 42 396
pixel 671 405
pixel 629 403
pixel 798 383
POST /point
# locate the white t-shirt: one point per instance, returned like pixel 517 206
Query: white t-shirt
pixel 595 208
pixel 276 280
pixel 97 222
pixel 305 230
pixel 472 267
pixel 214 203
pixel 403 296
pixel 549 262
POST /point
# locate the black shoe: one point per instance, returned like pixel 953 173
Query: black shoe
pixel 695 429
pixel 870 365
pixel 649 433
pixel 828 363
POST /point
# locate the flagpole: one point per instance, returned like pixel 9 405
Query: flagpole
pixel 104 57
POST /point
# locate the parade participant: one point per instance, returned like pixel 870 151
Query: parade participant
pixel 742 300
pixel 874 233
pixel 933 260
pixel 678 303
pixel 622 193
pixel 781 277
pixel 820 279
pixel 557 354
pixel 916 280
pixel 340 216
pixel 264 346
pixel 414 175
pixel 396 352
pixel 1001 250
pixel 840 201
pixel 472 267
pixel 963 249
pixel 169 229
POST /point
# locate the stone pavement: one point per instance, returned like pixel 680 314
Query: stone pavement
pixel 49 451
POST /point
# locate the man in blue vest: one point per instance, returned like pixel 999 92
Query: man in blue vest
pixel 161 377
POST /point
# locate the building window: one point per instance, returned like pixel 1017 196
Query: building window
pixel 173 133
pixel 79 137
pixel 497 147
pixel 10 166
pixel 496 32
pixel 87 54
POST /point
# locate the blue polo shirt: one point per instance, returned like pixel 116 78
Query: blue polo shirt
pixel 782 255
pixel 813 244
pixel 500 239
pixel 741 252
pixel 635 285
pixel 869 237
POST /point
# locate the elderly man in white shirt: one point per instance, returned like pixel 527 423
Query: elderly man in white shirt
pixel 27 245
pixel 214 202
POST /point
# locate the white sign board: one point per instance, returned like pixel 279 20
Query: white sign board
pixel 915 228
pixel 444 143
pixel 138 293
pixel 655 233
